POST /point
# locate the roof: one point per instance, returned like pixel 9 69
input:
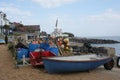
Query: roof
pixel 29 28
pixel 32 27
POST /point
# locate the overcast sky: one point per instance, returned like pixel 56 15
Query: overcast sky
pixel 81 17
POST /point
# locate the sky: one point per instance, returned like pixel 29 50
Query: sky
pixel 83 18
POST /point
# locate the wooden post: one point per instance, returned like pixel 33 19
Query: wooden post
pixel 23 59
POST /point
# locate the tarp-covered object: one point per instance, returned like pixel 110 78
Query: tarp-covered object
pixel 54 50
pixel 21 45
pixel 47 47
pixel 32 47
pixel 44 46
pixel 21 52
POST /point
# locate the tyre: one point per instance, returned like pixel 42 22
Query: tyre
pixel 109 65
pixel 118 62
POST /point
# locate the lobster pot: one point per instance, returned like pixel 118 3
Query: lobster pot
pixel 32 47
pixel 22 52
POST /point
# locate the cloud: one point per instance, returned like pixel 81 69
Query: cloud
pixel 53 3
pixel 10 8
pixel 15 11
pixel 106 23
pixel 109 16
pixel 20 0
pixel 3 4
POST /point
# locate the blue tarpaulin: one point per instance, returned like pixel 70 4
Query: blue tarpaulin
pixel 54 50
pixel 32 47
pixel 44 46
pixel 21 52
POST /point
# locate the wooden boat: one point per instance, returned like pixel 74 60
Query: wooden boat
pixel 36 57
pixel 2 41
pixel 77 63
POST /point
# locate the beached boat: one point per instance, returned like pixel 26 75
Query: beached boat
pixel 77 63
pixel 2 41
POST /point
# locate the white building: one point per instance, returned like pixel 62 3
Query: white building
pixel 58 31
pixel 3 21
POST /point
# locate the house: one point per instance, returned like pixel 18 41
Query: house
pixel 32 28
pixel 27 31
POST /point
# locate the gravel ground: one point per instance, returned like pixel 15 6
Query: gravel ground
pixel 9 72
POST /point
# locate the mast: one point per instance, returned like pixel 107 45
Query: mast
pixel 56 23
pixel 56 37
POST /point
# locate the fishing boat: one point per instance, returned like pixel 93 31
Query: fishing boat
pixel 2 41
pixel 76 63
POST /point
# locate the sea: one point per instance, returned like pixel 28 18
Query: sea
pixel 115 45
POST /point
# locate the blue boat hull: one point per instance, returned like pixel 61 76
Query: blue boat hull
pixel 59 66
pixel 2 41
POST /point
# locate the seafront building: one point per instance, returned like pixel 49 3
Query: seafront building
pixel 26 32
pixel 3 21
